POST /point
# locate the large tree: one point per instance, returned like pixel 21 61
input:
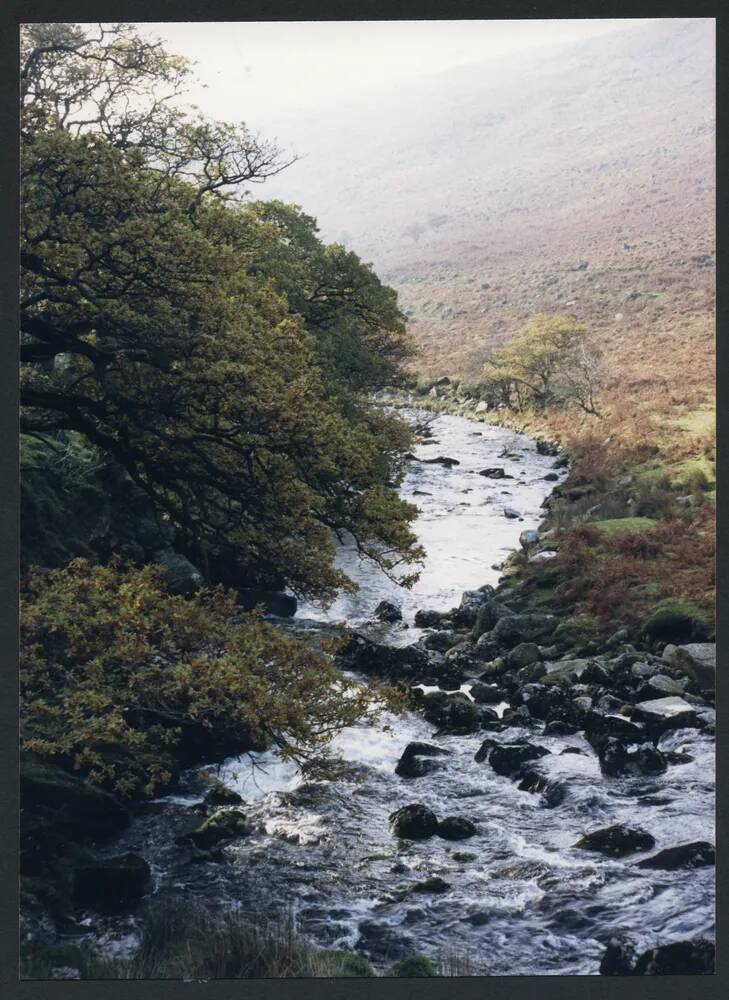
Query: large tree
pixel 167 323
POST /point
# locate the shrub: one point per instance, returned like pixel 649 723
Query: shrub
pixel 116 673
pixel 414 966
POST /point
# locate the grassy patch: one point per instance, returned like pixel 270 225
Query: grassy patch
pixel 614 525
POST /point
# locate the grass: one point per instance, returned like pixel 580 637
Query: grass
pixel 614 525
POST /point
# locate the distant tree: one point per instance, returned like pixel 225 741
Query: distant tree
pixel 550 362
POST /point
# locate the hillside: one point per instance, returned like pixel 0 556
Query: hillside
pixel 580 181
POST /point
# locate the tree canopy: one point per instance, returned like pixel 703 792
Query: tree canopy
pixel 551 361
pixel 217 350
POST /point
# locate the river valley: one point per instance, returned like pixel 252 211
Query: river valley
pixel 515 898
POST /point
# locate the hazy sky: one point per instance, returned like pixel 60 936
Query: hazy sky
pixel 265 71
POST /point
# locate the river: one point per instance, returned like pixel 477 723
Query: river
pixel 519 898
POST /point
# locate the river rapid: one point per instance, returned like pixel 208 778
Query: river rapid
pixel 519 898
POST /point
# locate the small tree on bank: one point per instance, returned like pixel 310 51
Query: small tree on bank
pixel 550 362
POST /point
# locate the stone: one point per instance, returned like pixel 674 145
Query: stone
pixel 619 958
pixel 696 659
pixel 680 958
pixel 111 883
pixel 545 556
pixel 506 759
pixel 226 824
pixel 455 828
pixel 487 616
pixel 616 841
pixel 510 630
pixel 413 822
pixel 698 854
pixel 451 711
pixel 551 477
pixel 497 472
pixel 486 694
pixel 441 642
pixel 560 728
pixel 523 655
pixel 547 447
pixel 617 759
pixel 274 602
pixel 429 619
pixel 179 574
pixel 411 764
pixel 219 795
pixel 511 513
pixel 388 611
pixel 434 884
pixel 662 684
pixel 528 538
pixel 441 460
pixel 661 714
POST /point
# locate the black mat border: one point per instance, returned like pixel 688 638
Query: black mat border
pixel 468 988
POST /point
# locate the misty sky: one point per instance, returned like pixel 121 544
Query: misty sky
pixel 267 71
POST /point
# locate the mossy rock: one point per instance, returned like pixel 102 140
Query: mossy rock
pixel 347 963
pixel 226 824
pixel 412 967
pixel 678 622
pixel 578 631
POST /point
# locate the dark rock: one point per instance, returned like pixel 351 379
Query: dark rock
pixel 699 854
pixel 659 715
pixel 226 824
pixel 429 619
pixel 413 663
pixel 485 749
pixel 382 942
pixel 511 513
pixel 675 625
pixel 523 655
pixel 111 883
pixel 388 611
pixel 413 822
pixel 595 725
pixel 506 759
pixel 486 694
pixel 497 472
pixel 433 884
pixel 594 673
pixel 560 728
pixel 697 660
pixel 619 958
pixel 441 460
pixel 680 958
pixel 486 617
pixel 511 630
pixel 455 828
pixel 411 764
pixel 451 711
pixel 547 447
pixel 551 477
pixel 617 760
pixel 180 576
pixel 441 642
pixel 531 779
pixel 273 601
pixel 219 795
pixel 616 841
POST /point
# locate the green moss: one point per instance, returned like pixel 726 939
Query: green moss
pixel 577 631
pixel 678 621
pixel 414 966
pixel 614 525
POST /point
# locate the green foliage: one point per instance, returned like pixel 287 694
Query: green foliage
pixel 678 621
pixel 115 672
pixel 616 524
pixel 549 362
pixel 414 966
pixel 216 352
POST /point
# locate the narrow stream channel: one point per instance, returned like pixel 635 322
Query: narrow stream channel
pixel 519 898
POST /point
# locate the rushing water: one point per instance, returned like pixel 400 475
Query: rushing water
pixel 520 898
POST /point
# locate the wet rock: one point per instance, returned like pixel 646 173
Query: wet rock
pixel 549 704
pixel 486 617
pixel 413 822
pixel 597 725
pixel 226 824
pixel 547 447
pixel 618 759
pixel 699 854
pixel 560 728
pixel 455 828
pixel 388 611
pixel 411 763
pixel 179 574
pixel 429 619
pixel 274 602
pixel 380 941
pixel 479 918
pixel 451 711
pixel 680 958
pixel 413 663
pixel 464 856
pixel 111 883
pixel 595 673
pixel 661 714
pixel 465 615
pixel 497 472
pixel 507 759
pixel 551 477
pixel 511 513
pixel 485 749
pixel 486 650
pixel 660 684
pixel 619 958
pixel 441 642
pixel 532 779
pixel 511 630
pixel 697 660
pixel 219 795
pixel 434 884
pixel 523 655
pixel 486 694
pixel 441 460
pixel 528 538
pixel 616 841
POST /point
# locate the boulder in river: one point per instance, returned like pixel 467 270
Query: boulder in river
pixel 451 711
pixel 507 758
pixel 486 694
pixel 434 884
pixel 698 854
pixel 388 611
pixel 497 472
pixel 511 513
pixel 412 764
pixel 441 460
pixel 111 883
pixel 616 841
pixel 661 714
pixel 413 822
pixel 226 824
pixel 455 828
pixel 617 759
pixel 679 958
